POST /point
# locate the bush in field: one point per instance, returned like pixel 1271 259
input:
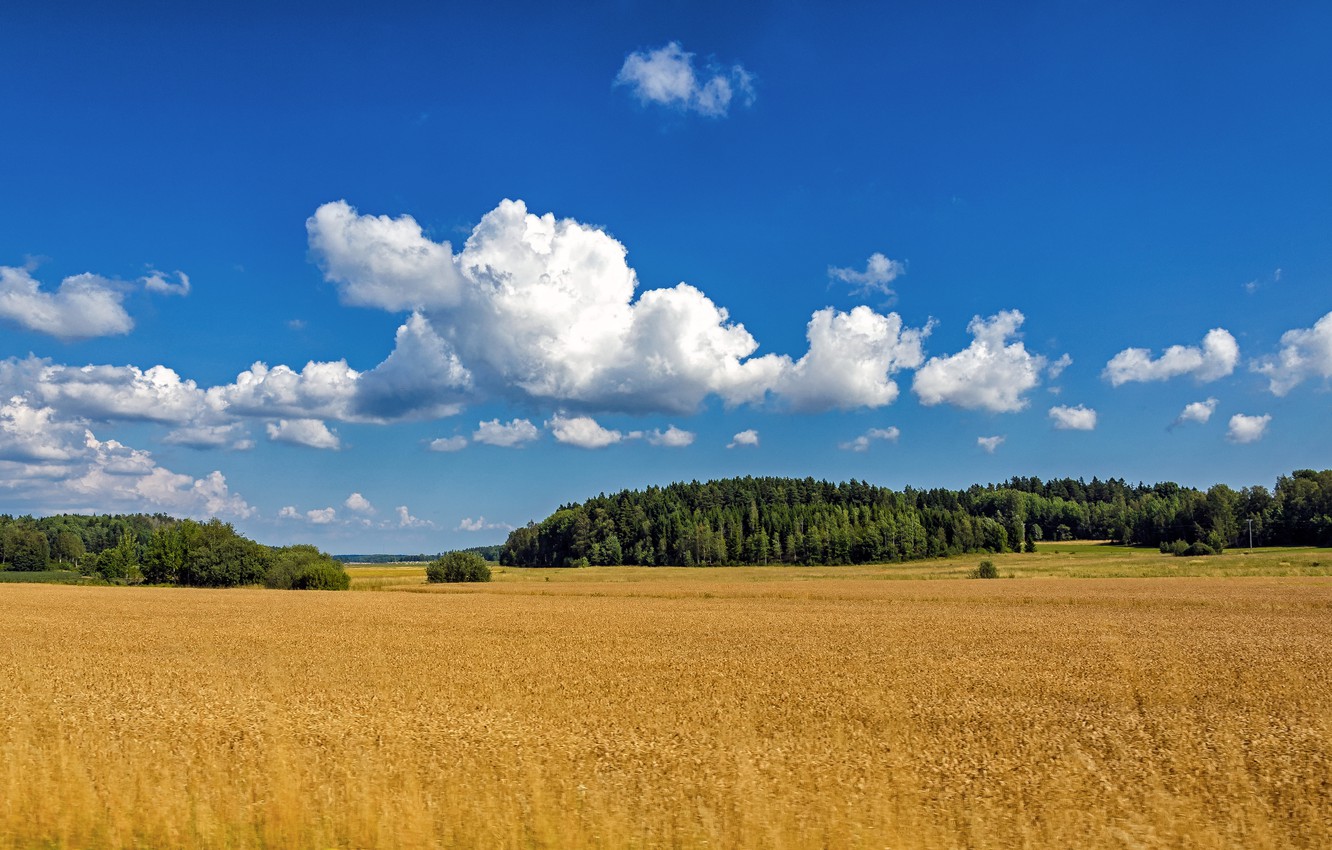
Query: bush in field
pixel 986 569
pixel 458 566
pixel 1179 547
pixel 305 568
pixel 1199 548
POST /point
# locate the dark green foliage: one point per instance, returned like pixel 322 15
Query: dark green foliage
pixel 803 521
pixel 43 577
pixel 1198 548
pixel 458 566
pixel 66 547
pixel 216 556
pixel 120 563
pixel 23 547
pixel 1029 546
pixel 305 568
pixel 164 556
pixel 1177 547
pixel 986 569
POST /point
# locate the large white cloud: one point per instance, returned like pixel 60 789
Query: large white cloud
pixel 421 377
pixel 1215 358
pixel 990 374
pixel 667 76
pixel 322 390
pixel 58 465
pixel 1305 353
pixel 850 358
pixel 84 305
pixel 34 434
pixel 380 261
pixel 125 393
pixel 543 309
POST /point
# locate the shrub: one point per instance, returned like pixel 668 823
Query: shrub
pixel 1198 548
pixel 985 570
pixel 1179 547
pixel 458 566
pixel 306 568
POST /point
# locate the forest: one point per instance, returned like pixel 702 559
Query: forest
pixel 159 549
pixel 807 522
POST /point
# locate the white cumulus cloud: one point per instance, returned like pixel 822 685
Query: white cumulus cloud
pixel 448 444
pixel 546 310
pixel 862 443
pixel 1247 429
pixel 1068 418
pixel 1197 411
pixel 358 503
pixel 990 443
pixel 990 374
pixel 1305 353
pixel 83 306
pixel 516 432
pixel 303 432
pixel 582 431
pixel 672 437
pixel 406 520
pixel 749 437
pixel 851 356
pixel 1215 358
pixel 667 76
pixel 322 516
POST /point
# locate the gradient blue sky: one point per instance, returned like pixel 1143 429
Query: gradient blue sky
pixel 1144 189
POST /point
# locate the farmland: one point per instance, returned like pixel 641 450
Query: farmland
pixel 619 707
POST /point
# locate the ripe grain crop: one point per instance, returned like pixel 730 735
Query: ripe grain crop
pixel 673 713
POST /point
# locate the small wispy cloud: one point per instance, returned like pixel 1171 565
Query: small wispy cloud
pixel 879 272
pixel 667 77
pixel 863 442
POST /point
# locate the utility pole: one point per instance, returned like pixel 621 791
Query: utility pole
pixel 1250 521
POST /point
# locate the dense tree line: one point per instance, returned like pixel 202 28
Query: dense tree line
pixel 158 549
pixel 804 521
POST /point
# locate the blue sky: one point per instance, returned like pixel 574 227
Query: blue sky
pixel 399 278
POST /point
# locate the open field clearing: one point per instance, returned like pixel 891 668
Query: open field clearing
pixel 1075 559
pixel 674 708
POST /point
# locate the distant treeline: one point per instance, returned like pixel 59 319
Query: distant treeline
pixel 489 553
pixel 804 521
pixel 159 549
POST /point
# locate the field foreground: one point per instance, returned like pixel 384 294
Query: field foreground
pixel 1189 712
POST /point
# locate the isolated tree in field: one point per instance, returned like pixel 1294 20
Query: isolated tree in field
pixel 458 566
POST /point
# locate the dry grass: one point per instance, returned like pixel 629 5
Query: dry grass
pixel 679 709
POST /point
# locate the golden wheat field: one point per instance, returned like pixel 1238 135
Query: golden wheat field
pixel 702 709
